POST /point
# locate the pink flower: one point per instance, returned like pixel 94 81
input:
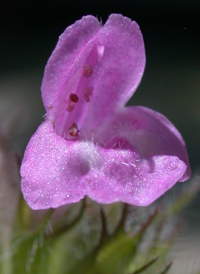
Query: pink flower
pixel 90 143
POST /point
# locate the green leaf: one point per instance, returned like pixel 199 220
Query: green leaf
pixel 117 252
pixel 74 250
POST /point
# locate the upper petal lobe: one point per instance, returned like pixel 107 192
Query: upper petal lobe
pixel 70 46
pixel 117 55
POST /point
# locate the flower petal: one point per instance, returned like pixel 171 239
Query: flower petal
pixel 127 177
pixel 50 170
pixel 145 157
pixel 66 53
pixel 116 54
pixel 120 70
pixel 148 131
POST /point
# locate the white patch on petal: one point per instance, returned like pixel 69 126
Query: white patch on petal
pixel 100 51
pixel 89 153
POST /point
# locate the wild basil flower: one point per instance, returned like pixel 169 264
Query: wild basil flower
pixel 90 143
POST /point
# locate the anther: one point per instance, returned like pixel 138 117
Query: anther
pixel 73 130
pixel 73 97
pixel 87 70
pixel 70 106
pixel 87 93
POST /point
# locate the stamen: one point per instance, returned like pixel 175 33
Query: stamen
pixel 73 97
pixel 68 98
pixel 73 130
pixel 87 93
pixel 87 70
pixel 71 106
